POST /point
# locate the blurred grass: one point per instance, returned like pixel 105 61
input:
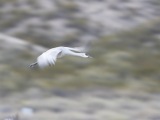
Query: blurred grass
pixel 126 60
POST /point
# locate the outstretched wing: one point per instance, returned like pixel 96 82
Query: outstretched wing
pixel 77 49
pixel 48 58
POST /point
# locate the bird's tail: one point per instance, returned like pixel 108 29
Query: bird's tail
pixel 32 66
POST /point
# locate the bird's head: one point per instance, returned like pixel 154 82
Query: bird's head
pixel 87 56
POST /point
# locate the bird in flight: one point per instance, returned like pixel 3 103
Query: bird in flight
pixel 49 57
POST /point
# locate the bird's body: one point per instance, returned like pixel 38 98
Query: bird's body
pixel 49 57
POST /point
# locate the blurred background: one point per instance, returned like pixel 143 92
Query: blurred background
pixel 122 82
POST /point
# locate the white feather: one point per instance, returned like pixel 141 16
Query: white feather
pixel 49 57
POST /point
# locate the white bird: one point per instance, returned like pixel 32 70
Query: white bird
pixel 49 57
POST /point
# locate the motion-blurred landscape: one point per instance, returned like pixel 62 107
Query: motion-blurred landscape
pixel 121 82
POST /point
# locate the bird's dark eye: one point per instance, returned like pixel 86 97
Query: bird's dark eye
pixel 86 54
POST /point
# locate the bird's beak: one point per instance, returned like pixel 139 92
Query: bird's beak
pixel 90 57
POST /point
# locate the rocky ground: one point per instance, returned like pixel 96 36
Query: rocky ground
pixel 121 82
pixel 86 104
pixel 72 21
